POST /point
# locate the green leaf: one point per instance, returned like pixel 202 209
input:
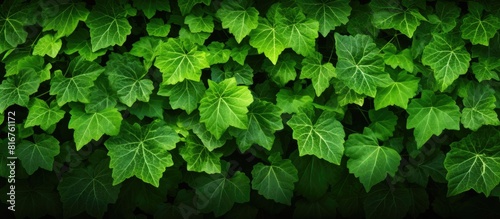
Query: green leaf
pixel 187 5
pixel 178 62
pixel 199 158
pixel 486 69
pixel 14 16
pixel 27 62
pixel 102 96
pixel 266 40
pixel 47 45
pixel 200 24
pixel 63 18
pixel 398 92
pixel 315 175
pixel 93 125
pixel 190 39
pixel 431 114
pixel 323 138
pixel 319 73
pixel 141 152
pixel 386 202
pixel 383 123
pixel 225 104
pixel 151 109
pixel 219 193
pixel 156 27
pixel 446 16
pixel 88 189
pixel 359 64
pixel 447 56
pixel 39 154
pixel 477 29
pixel 329 13
pixel 292 102
pixel 479 107
pixel 147 48
pixel 403 59
pixel 239 17
pixel 184 95
pixel 149 7
pixel 346 95
pixel 242 73
pixel 41 114
pixel 368 161
pixel 300 32
pixel 108 25
pixel 283 71
pixel 474 162
pixel 209 140
pixel 18 88
pixel 127 76
pixel 79 42
pixel 275 181
pixel 264 119
pixel 77 87
pixel 217 54
pixel 391 14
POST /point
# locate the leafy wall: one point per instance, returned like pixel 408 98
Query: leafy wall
pixel 244 109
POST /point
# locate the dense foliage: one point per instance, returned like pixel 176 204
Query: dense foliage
pixel 245 109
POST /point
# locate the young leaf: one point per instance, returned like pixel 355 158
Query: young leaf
pixel 225 104
pixel 184 95
pixel 220 193
pixel 447 56
pixel 477 29
pixel 77 87
pixel 479 107
pixel 199 158
pixel 276 181
pixel 126 76
pixel 474 162
pixel 88 189
pixel 398 92
pixel 63 18
pixel 18 88
pixel 200 24
pixel 266 40
pixel 329 13
pixel 239 17
pixel 39 154
pixel 141 152
pixel 359 65
pixel 47 45
pixel 178 61
pixel 368 161
pixel 323 138
pixel 108 25
pixel 264 119
pixel 156 27
pixel 319 73
pixel 149 7
pixel 391 14
pixel 90 126
pixel 431 114
pixel 43 115
pixel 299 32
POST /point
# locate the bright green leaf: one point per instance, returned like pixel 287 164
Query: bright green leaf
pixel 329 13
pixel 292 102
pixel 319 73
pixel 266 40
pixel 76 87
pixel 63 18
pixel 323 138
pixel 275 181
pixel 178 62
pixel 431 114
pixel 147 48
pixel 264 119
pixel 391 14
pixel 398 92
pixel 41 114
pixel 403 59
pixel 447 56
pixel 47 45
pixel 283 71
pixel 225 104
pixel 300 33
pixel 108 25
pixel 217 54
pixel 39 154
pixel 368 161
pixel 200 24
pixel 479 107
pixel 359 64
pixel 199 158
pixel 184 95
pixel 474 162
pixel 209 141
pixel 141 152
pixel 239 17
pixel 90 126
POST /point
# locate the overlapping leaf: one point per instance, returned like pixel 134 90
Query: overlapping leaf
pixel 199 158
pixel 38 154
pixel 149 7
pixel 108 25
pixel 479 107
pixel 300 32
pixel 184 95
pixel 313 68
pixel 239 17
pixel 329 13
pixel 392 14
pixel 141 152
pixel 14 16
pixel 477 29
pixel 63 18
pixel 398 92
pixel 18 88
pixel 41 114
